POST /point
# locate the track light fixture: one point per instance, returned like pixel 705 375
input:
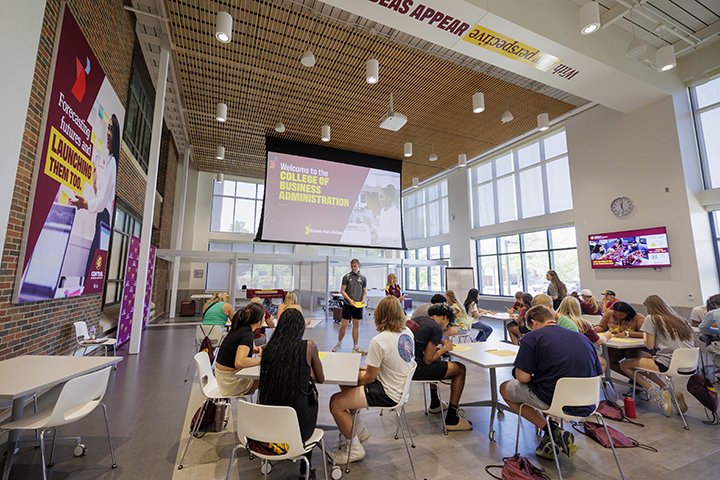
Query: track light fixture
pixel 478 102
pixel 507 116
pixel 407 150
pixel 372 71
pixel 223 26
pixel 665 58
pixel 589 18
pixel 280 128
pixel 325 137
pixel 221 112
pixel 543 122
pixel 220 155
pixel 308 58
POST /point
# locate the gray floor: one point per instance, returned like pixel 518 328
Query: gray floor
pixel 150 406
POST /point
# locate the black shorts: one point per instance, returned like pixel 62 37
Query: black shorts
pixel 376 396
pixel 434 371
pixel 350 312
pixel 662 368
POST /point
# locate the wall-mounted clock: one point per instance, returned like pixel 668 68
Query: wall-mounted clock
pixel 622 207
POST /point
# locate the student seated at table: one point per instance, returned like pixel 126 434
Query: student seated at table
pixel 218 310
pixel 710 325
pixel 570 308
pixel 290 301
pixel 462 321
pixel 381 383
pixel 622 321
pixel 547 354
pixel 697 314
pixel 663 331
pixel 588 304
pixel 547 302
pixel 288 367
pixel 518 305
pixel 472 309
pixel 236 352
pixel 260 337
pixel 517 327
pixel 430 345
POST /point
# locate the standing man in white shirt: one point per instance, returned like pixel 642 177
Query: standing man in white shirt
pixel 354 292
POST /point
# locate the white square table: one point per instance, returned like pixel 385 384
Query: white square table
pixel 340 368
pixel 620 343
pixel 503 317
pixel 21 377
pixel 490 355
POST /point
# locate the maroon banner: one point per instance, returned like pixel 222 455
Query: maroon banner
pixel 127 304
pixel 67 231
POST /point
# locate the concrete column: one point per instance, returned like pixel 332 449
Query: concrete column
pixel 177 243
pixel 150 188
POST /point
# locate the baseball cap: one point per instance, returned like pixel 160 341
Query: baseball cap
pixel 608 292
pixel 586 292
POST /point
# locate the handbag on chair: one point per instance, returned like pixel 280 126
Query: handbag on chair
pixel 518 467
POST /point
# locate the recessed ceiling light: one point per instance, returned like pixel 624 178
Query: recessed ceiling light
pixel 223 26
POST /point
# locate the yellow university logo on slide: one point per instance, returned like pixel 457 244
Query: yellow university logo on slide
pixel 98 262
pixel 510 48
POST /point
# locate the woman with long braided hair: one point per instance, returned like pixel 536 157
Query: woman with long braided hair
pixel 288 366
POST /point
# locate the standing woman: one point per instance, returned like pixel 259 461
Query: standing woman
pixel 393 288
pixel 663 331
pixel 104 189
pixel 290 301
pixel 471 307
pixel 236 352
pixel 287 369
pixel 557 289
pixel 218 310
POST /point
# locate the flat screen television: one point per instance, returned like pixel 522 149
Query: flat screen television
pixel 643 248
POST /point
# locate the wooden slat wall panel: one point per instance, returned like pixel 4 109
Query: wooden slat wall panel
pixel 261 79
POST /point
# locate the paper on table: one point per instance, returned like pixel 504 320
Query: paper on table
pixel 461 348
pixel 502 353
pixel 322 355
pixel 627 340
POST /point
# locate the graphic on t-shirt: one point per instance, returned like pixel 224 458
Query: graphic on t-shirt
pixel 405 347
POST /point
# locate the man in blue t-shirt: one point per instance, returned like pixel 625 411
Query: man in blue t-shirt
pixel 548 353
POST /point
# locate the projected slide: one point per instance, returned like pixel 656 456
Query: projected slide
pixel 308 200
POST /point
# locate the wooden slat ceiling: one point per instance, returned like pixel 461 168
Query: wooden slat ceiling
pixel 260 77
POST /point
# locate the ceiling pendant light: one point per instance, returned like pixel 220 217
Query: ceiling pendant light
pixel 478 101
pixel 637 47
pixel 543 122
pixel 462 160
pixel 407 149
pixel 589 18
pixel 665 58
pixel 372 71
pixel 433 157
pixel 223 27
pixel 415 182
pixel 221 112
pixel 308 58
pixel 220 155
pixel 280 128
pixel 325 137
pixel 507 116
pixel 220 177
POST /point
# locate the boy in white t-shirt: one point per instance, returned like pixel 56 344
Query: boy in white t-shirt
pixel 389 361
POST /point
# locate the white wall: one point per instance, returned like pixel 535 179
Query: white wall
pixel 636 155
pixel 461 246
pixel 20 25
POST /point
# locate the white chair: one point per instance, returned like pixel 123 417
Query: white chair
pixel 683 363
pixel 462 337
pixel 78 398
pixel 437 383
pixel 210 390
pixel 82 337
pixel 269 423
pixel 215 333
pixel 572 392
pixel 399 410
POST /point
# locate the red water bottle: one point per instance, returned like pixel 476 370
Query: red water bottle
pixel 629 403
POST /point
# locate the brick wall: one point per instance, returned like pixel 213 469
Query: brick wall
pixel 46 327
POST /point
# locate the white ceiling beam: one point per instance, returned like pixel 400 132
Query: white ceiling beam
pixel 613 15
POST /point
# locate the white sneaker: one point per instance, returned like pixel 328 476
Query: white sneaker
pixel 357 452
pixel 362 433
pixel 336 347
pixel 663 400
pixel 357 349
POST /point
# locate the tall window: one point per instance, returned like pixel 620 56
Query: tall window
pixel 706 105
pixel 516 262
pixel 430 278
pixel 124 226
pixel 236 206
pixel 139 118
pixel 525 182
pixel 425 211
pixel 256 275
